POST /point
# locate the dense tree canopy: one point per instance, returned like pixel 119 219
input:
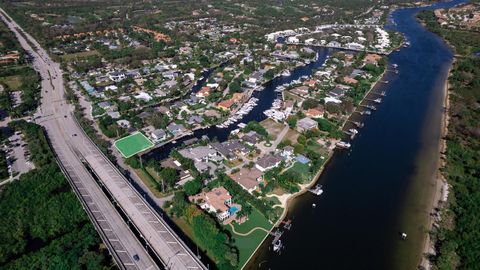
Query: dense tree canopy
pixel 43 225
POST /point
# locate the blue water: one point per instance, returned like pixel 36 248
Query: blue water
pixel 369 190
pixel 233 210
pixel 265 97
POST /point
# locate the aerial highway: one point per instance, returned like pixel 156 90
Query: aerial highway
pixel 77 154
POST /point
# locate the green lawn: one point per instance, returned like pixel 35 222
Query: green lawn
pixel 13 82
pixel 247 244
pixel 97 111
pixel 302 169
pixel 74 56
pixel 133 144
pixel 314 146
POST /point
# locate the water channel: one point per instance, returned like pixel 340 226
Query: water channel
pixel 384 184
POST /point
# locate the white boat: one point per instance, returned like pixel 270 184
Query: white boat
pixel 353 131
pixel 317 190
pixel 378 100
pixel 286 73
pixel 342 144
pixel 277 245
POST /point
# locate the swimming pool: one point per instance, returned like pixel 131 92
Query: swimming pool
pixel 233 210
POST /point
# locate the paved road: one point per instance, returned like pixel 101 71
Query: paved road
pixel 121 241
pixel 72 146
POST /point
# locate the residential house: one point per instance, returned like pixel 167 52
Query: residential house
pixel 305 124
pixel 300 91
pixel 170 75
pixel 114 114
pixel 251 138
pixel 315 113
pixel 287 152
pixel 268 162
pixel 349 80
pixel 248 178
pixel 310 83
pixel 231 149
pixel 217 201
pixel 195 119
pixel 124 123
pixel 143 96
pixel 112 88
pixel 175 129
pixel 117 76
pixel 104 105
pixel 158 135
pixel 225 104
pixel 372 58
pixel 203 93
pixel 199 153
pixel 337 92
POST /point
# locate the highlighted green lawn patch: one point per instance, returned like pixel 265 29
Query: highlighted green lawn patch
pixel 303 170
pixel 247 244
pixel 133 144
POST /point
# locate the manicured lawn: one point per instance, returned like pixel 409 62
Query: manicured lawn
pixel 247 244
pixel 275 200
pixel 256 219
pixel 314 146
pixel 133 144
pixel 302 169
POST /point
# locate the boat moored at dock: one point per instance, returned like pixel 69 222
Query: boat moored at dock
pixel 317 190
pixel 343 145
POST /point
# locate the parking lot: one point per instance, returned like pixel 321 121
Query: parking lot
pixel 18 155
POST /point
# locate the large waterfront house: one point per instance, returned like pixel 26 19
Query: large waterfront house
pixel 217 201
pixel 268 162
pixel 248 178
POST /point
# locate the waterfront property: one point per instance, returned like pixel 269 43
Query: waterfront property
pixel 219 202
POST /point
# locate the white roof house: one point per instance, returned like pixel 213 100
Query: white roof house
pixel 143 96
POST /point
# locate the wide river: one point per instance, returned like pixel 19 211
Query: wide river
pixel 384 185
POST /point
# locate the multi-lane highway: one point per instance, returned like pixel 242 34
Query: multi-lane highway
pixel 75 152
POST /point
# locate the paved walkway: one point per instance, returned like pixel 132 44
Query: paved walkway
pixel 280 136
pixel 248 233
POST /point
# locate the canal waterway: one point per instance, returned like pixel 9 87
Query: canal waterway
pixel 265 100
pixel 384 184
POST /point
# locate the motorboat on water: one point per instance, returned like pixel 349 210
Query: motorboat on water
pixel 343 145
pixel 317 190
pixel 277 245
pixel 286 73
pixel 353 131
